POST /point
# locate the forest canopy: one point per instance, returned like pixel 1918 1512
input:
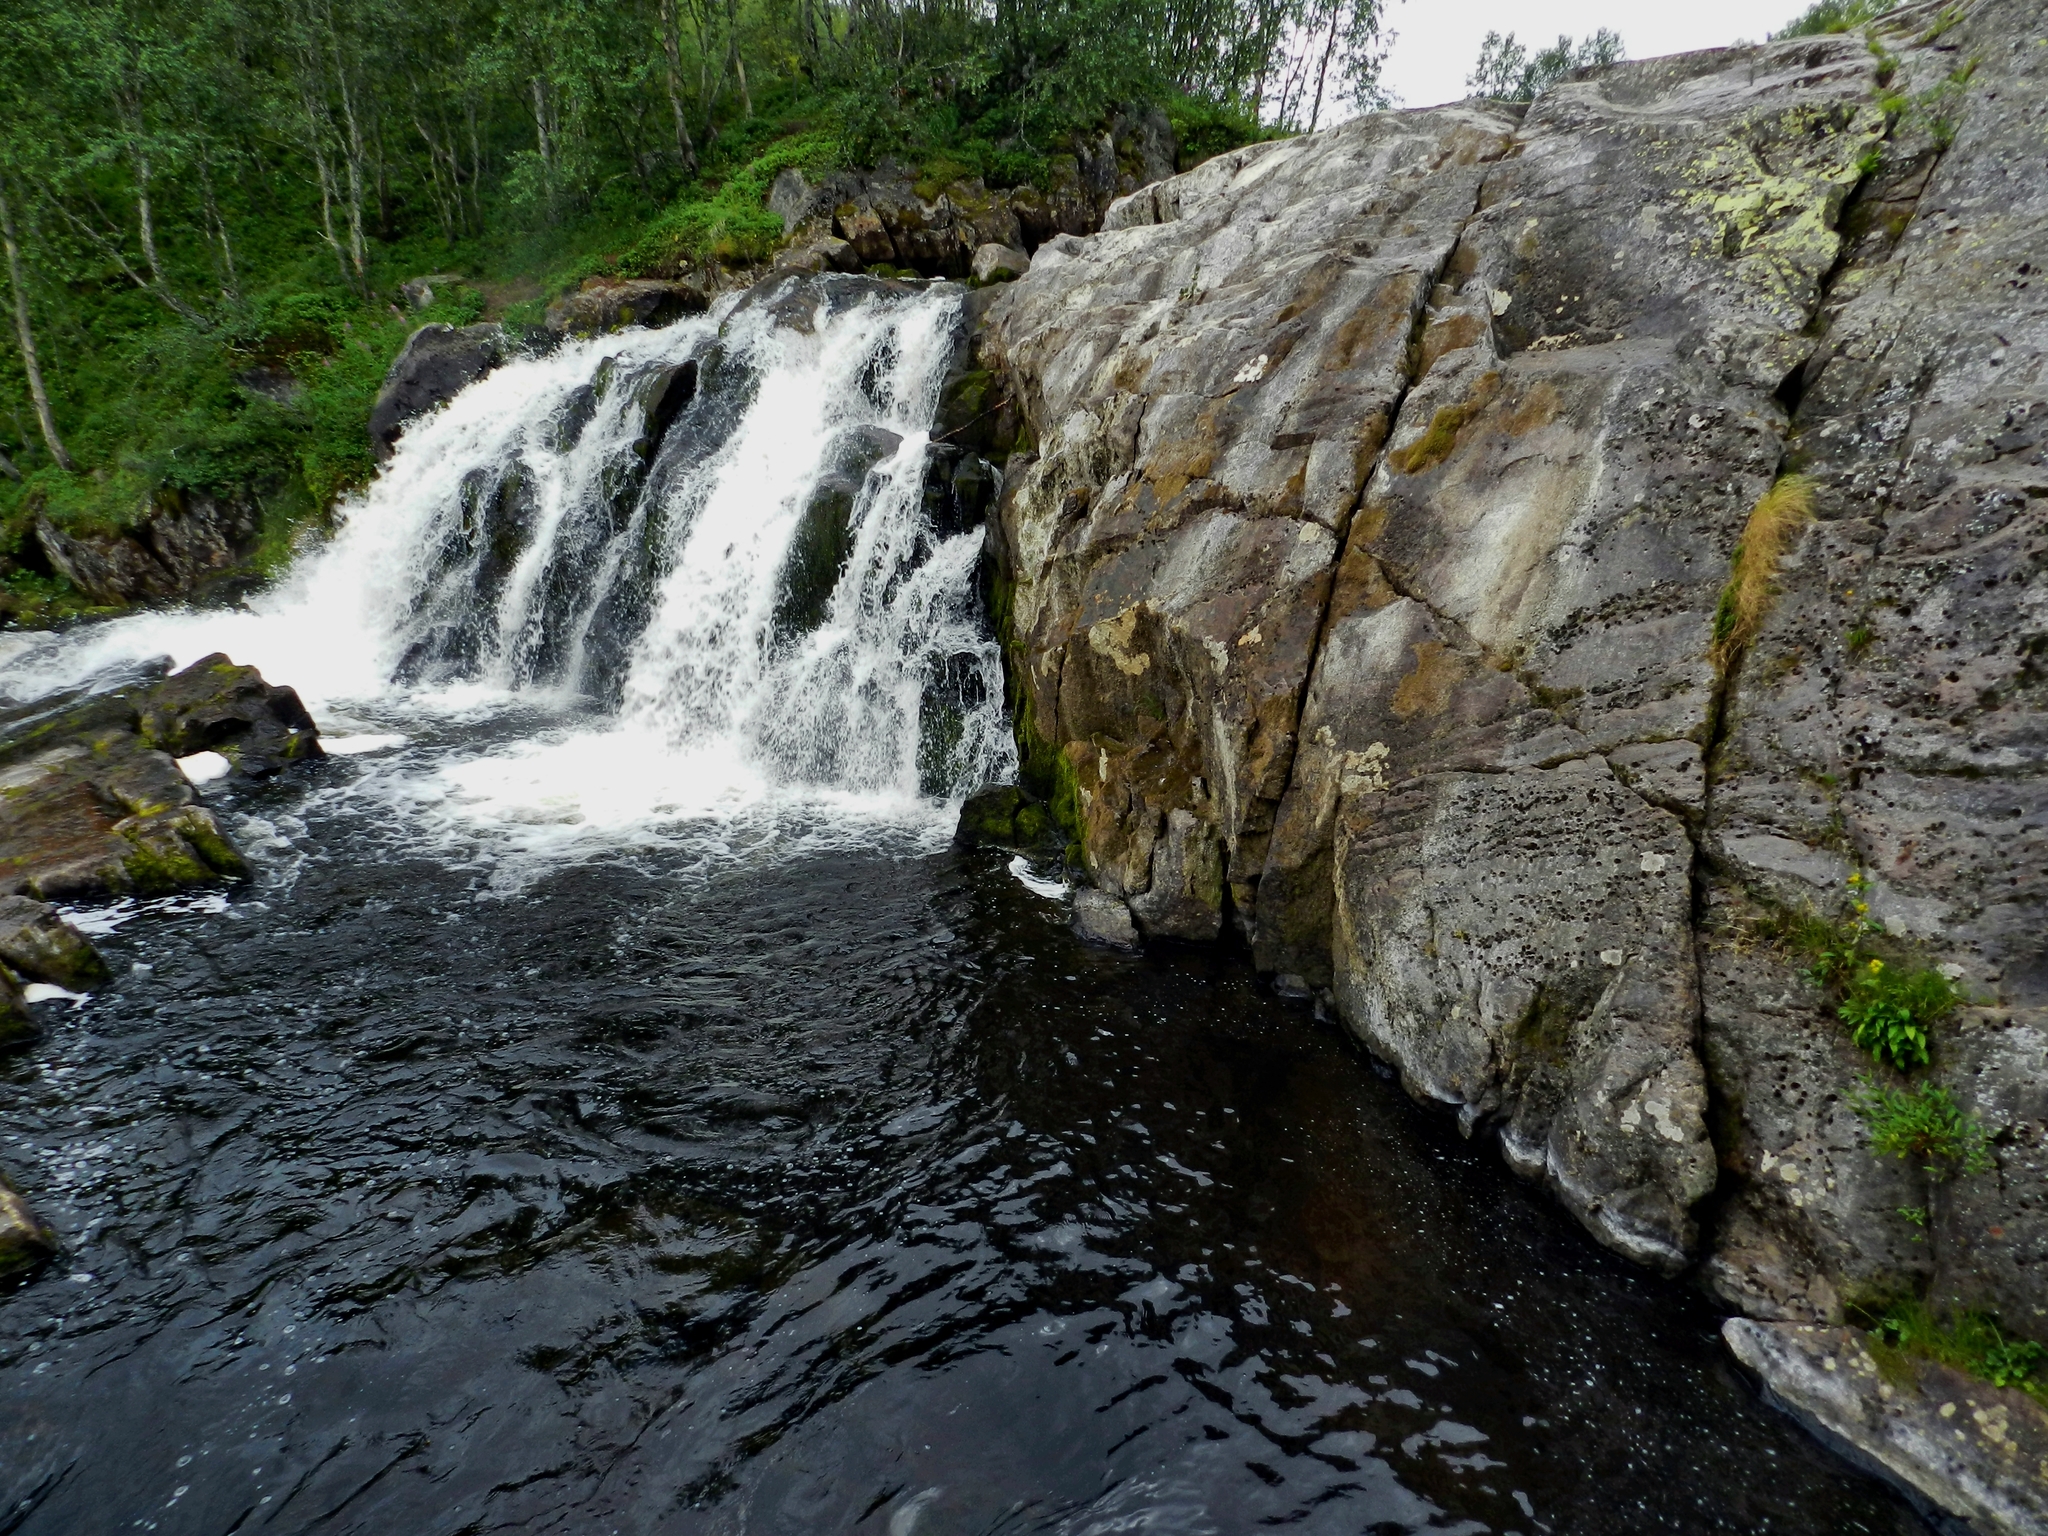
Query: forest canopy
pixel 196 191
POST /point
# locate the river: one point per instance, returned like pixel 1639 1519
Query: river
pixel 613 1106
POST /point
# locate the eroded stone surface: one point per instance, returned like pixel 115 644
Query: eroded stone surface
pixel 1383 492
pixel 1891 718
pixel 1971 1449
pixel 1208 385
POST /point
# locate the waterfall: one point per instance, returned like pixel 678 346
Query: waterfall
pixel 707 569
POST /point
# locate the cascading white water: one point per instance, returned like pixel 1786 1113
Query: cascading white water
pixel 762 618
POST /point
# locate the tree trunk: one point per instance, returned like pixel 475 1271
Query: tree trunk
pixel 352 157
pixel 26 336
pixel 7 466
pixel 672 49
pixel 230 288
pixel 1322 73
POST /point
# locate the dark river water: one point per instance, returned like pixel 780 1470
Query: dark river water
pixel 840 1191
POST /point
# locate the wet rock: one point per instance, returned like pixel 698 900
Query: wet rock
pixel 17 1024
pixel 824 536
pixel 179 544
pixel 92 802
pixel 611 304
pixel 995 263
pixel 38 945
pixel 959 489
pixel 1102 918
pixel 437 364
pixel 1972 1450
pixel 216 706
pixel 1004 816
pixel 25 1243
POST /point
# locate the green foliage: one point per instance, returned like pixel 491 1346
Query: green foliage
pixel 1891 1006
pixel 1891 1010
pixel 1923 1123
pixel 1826 16
pixel 1972 1342
pixel 1507 71
pixel 215 201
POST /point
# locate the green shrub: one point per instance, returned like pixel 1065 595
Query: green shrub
pixel 1891 1006
pixel 1923 1123
pixel 1890 1011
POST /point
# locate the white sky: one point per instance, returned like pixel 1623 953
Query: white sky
pixel 1437 41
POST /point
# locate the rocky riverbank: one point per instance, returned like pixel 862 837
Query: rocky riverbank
pixel 1558 581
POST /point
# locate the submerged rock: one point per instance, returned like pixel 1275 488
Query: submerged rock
pixel 25 1243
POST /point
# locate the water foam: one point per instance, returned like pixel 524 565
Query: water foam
pixel 519 563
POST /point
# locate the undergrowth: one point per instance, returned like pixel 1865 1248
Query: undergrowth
pixel 1924 1123
pixel 1969 1341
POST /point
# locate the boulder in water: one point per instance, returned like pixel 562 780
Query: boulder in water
pixel 824 537
pixel 216 706
pixel 438 363
pixel 36 944
pixel 1005 816
pixel 25 1243
pixel 1101 918
pixel 92 800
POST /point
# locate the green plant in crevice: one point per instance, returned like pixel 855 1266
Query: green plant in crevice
pixel 1916 1214
pixel 1891 1006
pixel 1924 1122
pixel 1890 1010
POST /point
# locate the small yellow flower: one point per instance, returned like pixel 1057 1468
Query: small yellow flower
pixel 1876 966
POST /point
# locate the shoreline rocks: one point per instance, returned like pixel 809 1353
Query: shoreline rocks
pixel 1364 572
pixel 1964 1446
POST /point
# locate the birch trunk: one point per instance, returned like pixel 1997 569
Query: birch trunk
pixel 26 336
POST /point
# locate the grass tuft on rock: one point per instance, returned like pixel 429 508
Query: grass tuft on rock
pixel 1971 1342
pixel 1774 522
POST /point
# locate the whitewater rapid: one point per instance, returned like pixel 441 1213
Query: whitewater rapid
pixel 559 638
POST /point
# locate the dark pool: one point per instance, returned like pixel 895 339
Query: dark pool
pixel 843 1192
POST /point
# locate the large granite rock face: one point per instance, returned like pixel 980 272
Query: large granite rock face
pixel 1208 394
pixel 1362 579
pixel 1893 714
